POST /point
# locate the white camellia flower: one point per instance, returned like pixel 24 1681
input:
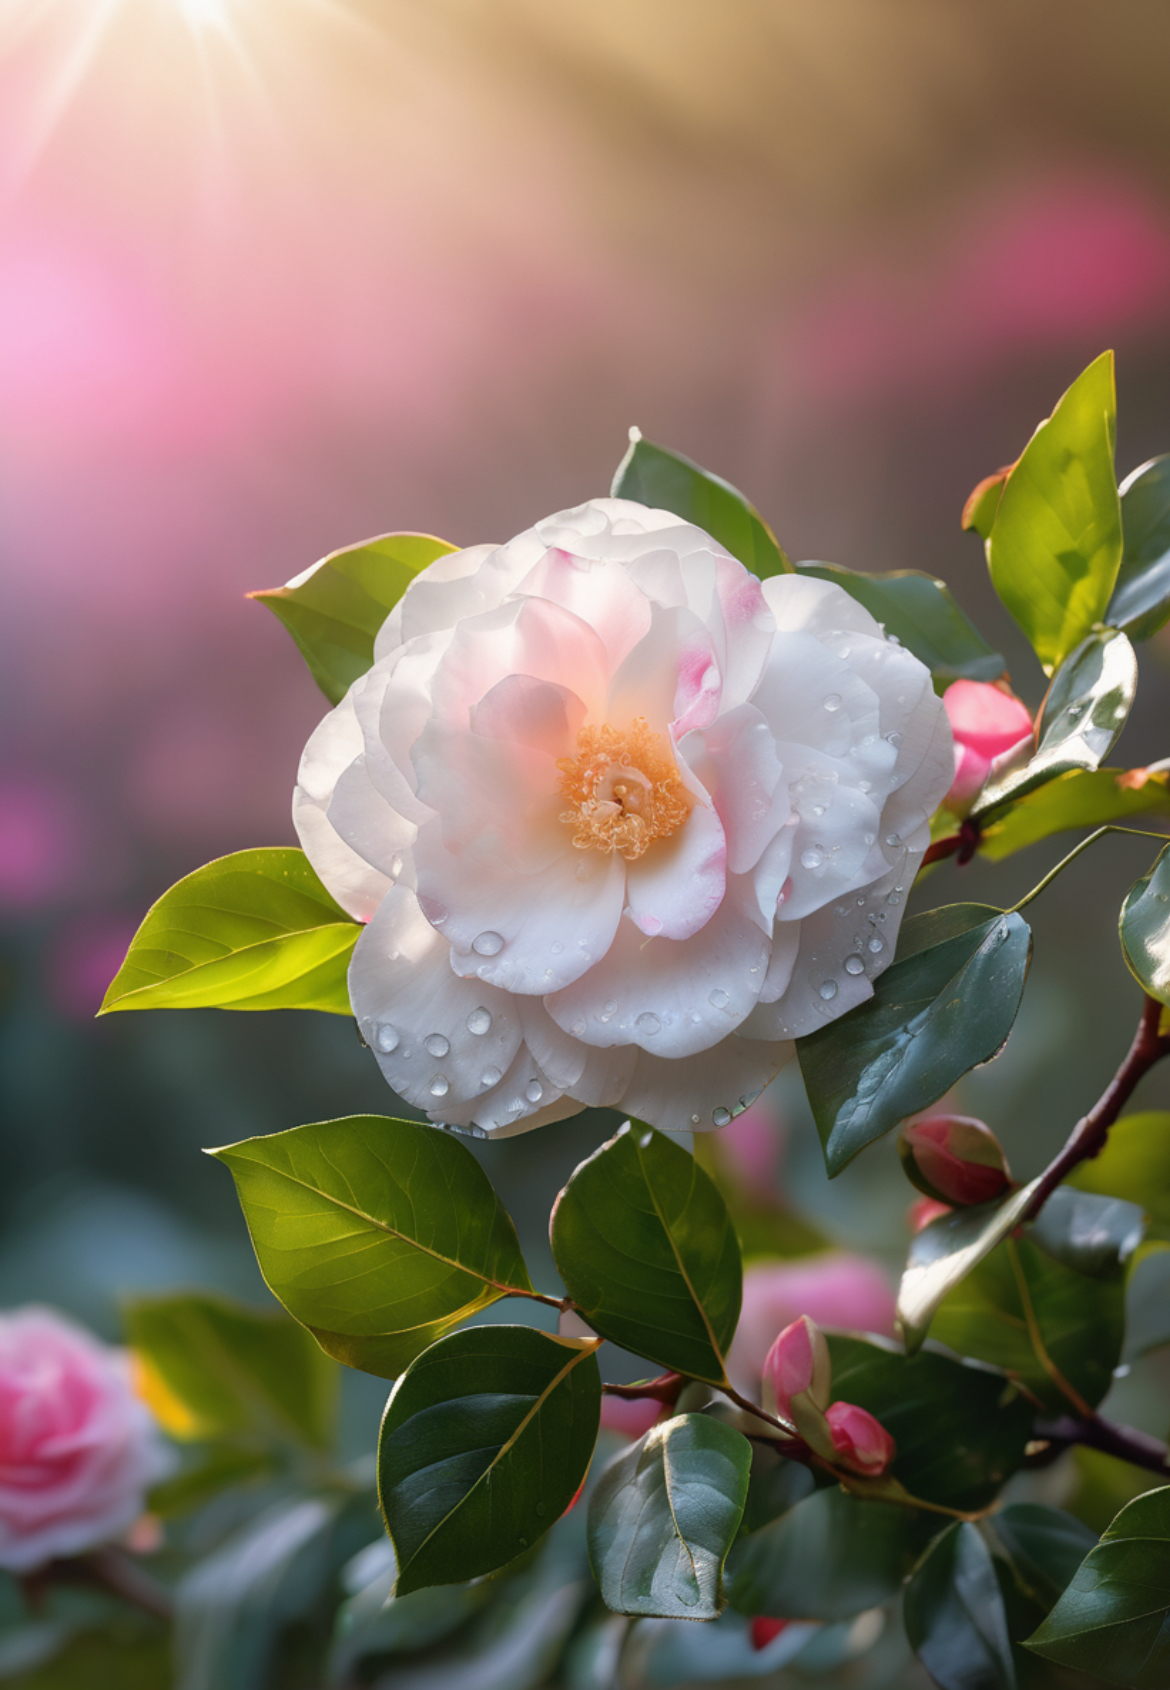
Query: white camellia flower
pixel 623 821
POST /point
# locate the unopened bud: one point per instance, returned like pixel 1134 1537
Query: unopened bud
pixel 798 1365
pixel 954 1159
pixel 764 1630
pixel 859 1441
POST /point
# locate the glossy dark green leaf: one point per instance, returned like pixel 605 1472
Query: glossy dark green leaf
pixel 213 1368
pixel 1147 1302
pixel 1135 1165
pixel 1094 1235
pixel 776 1485
pixel 484 1443
pixel 954 1615
pixel 1055 546
pixel 643 1242
pixel 668 481
pixel 828 1558
pixel 335 609
pixel 1145 929
pixel 256 930
pixel 378 1235
pixel 1141 598
pixel 663 1516
pixel 1114 1618
pixel 959 1431
pixel 1085 711
pixel 923 615
pixel 935 1013
pixel 1081 798
pixel 943 1253
pixel 1044 1546
pixel 1039 1320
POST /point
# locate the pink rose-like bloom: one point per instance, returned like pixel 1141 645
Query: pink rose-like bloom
pixel 860 1441
pixel 623 820
pixel 77 1447
pixel 834 1289
pixel 986 724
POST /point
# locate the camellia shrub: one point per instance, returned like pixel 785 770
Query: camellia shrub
pixel 629 813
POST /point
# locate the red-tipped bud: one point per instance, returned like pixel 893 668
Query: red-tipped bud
pixel 798 1366
pixel 859 1441
pixel 921 1212
pixel 764 1630
pixel 954 1160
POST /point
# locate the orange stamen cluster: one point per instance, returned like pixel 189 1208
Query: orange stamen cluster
pixel 624 790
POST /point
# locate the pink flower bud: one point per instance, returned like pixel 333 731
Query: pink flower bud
pixel 860 1441
pixel 764 1630
pixel 798 1365
pixel 923 1211
pixel 954 1159
pixel 986 723
pixel 77 1447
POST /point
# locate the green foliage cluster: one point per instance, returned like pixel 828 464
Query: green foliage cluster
pixel 384 1238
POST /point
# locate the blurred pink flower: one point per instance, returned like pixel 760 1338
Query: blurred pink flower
pixel 986 724
pixel 77 1447
pixel 631 1416
pixel 38 834
pixel 83 961
pixel 834 1289
pixel 752 1145
pixel 861 1442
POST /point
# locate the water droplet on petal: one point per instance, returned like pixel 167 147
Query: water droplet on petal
pixel 487 944
pixel 696 1120
pixel 893 840
pixel 557 947
pixel 648 1024
pixel 386 1038
pixel 828 990
pixel 579 1029
pixel 436 1045
pixel 534 1091
pixel 832 701
pixel 439 1086
pixel 479 1021
pixel 395 868
pixel 721 1117
pixel 719 999
pixel 854 964
pixel 813 856
pixel 893 900
pixel 490 1077
pixel 877 943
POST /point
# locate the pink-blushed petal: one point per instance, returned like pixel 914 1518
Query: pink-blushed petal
pixel 670 677
pixel 735 758
pixel 678 885
pixel 357 885
pixel 971 771
pixel 493 799
pixel 523 932
pixel 984 719
pixel 697 1093
pixel 542 715
pixel 672 997
pixel 597 1078
pixel 600 593
pixel 523 637
pixel 435 1036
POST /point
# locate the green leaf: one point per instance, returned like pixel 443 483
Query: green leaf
pixel 1083 715
pixel 1080 798
pixel 1145 929
pixel 923 614
pixel 1094 1235
pixel 378 1235
pixel 1141 598
pixel 484 1443
pixel 959 1430
pixel 937 1012
pixel 1040 1321
pixel 943 1253
pixel 663 1516
pixel 1114 1618
pixel 1147 1299
pixel 1135 1165
pixel 217 1467
pixel 643 1242
pixel 954 1615
pixel 256 930
pixel 1044 1547
pixel 335 609
pixel 830 1557
pixel 667 481
pixel 213 1368
pixel 1055 546
pixel 983 502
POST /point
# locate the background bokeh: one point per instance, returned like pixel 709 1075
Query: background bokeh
pixel 276 275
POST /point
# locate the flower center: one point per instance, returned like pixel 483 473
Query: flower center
pixel 623 789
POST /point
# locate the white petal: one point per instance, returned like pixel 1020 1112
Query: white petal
pixel 523 637
pixel 679 884
pixel 523 1098
pixel 597 1078
pixel 670 677
pixel 358 886
pixel 493 799
pixel 599 593
pixel 735 758
pixel 696 1093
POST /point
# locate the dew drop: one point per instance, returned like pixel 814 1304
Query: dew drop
pixel 479 1021
pixel 894 739
pixel 877 943
pixel 893 900
pixel 813 857
pixel 648 1024
pixel 894 840
pixel 540 1508
pixel 645 1141
pixel 395 868
pixel 386 1038
pixel 818 809
pixel 487 944
pixel 854 964
pixel 719 999
pixel 828 990
pixel 534 1091
pixel 439 1086
pixel 696 1120
pixel 557 947
pixel 579 1029
pixel 832 701
pixel 436 1045
pixel 490 1077
pixel 721 1117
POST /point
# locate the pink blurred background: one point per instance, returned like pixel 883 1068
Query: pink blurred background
pixel 276 275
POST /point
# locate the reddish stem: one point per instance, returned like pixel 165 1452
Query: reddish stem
pixel 666 1388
